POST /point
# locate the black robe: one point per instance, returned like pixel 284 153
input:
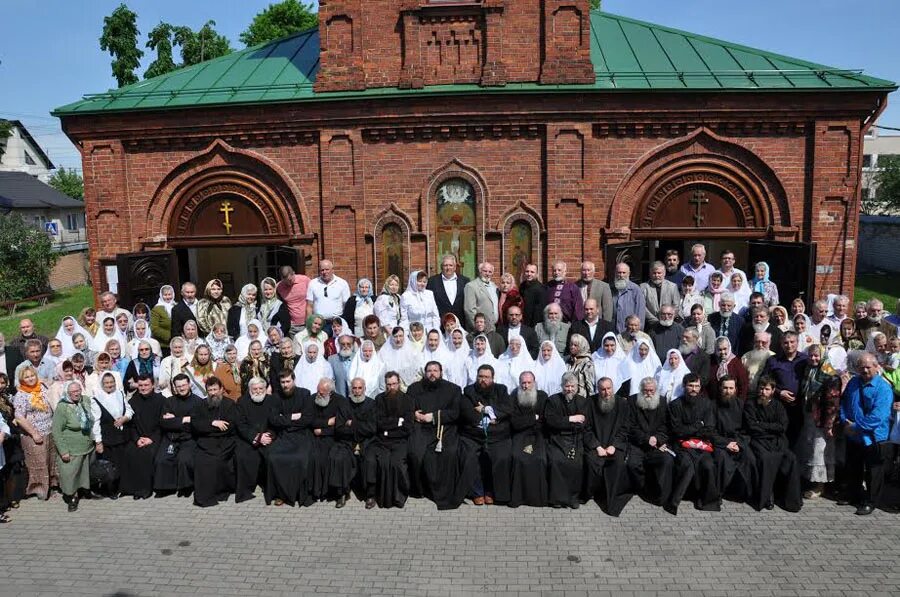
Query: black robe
pixel 778 476
pixel 565 449
pixel 137 472
pixel 249 455
pixel 214 456
pixel 116 444
pixel 528 482
pixel 175 458
pixel 693 418
pixel 353 438
pixel 650 469
pixel 289 456
pixel 435 474
pixel 736 470
pixel 485 455
pixel 388 476
pixel 325 461
pixel 606 473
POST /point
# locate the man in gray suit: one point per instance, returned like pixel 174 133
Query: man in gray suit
pixel 481 296
pixel 340 364
pixel 595 289
pixel 658 292
pixel 553 328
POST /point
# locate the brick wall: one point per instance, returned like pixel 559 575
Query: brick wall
pixel 71 270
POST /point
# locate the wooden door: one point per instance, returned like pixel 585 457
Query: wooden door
pixel 142 274
pixel 792 267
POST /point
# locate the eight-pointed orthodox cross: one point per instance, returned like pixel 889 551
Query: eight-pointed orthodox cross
pixel 227 209
pixel 699 199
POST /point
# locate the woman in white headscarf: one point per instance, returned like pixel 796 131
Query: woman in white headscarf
pixel 141 331
pixel 359 306
pixel 311 367
pixel 368 366
pixel 106 332
pixel 435 350
pixel 669 377
pixel 455 367
pixel 642 362
pixel 399 355
pixel 161 316
pixel 479 355
pixel 242 312
pixel 741 291
pixel 272 310
pixel 68 327
pixel 254 329
pixel 549 369
pixel 111 412
pixel 387 305
pixel 171 366
pixel 417 303
pixel 608 359
pixel 513 363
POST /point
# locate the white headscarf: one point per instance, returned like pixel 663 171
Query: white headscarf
pixel 509 367
pixel 248 310
pixel 166 305
pixel 636 369
pixel 669 380
pixel 242 344
pixel 113 402
pixel 440 354
pixel 268 308
pixel 68 348
pixel 147 337
pixel 455 367
pixel 100 339
pixel 473 361
pixel 308 374
pixel 406 361
pixel 549 372
pixel 371 371
pixel 609 366
pixel 741 295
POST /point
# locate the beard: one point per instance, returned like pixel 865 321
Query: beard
pixel 322 401
pixel 760 327
pixel 569 396
pixel 757 357
pixel 357 399
pixel 552 328
pixel 345 353
pixel 666 323
pixel 686 349
pixel 647 402
pixel 727 399
pixel 607 404
pixel 257 398
pixel 214 401
pixel 429 384
pixel 621 284
pixel 874 318
pixel 527 398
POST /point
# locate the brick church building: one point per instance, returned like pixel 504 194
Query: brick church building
pixel 498 130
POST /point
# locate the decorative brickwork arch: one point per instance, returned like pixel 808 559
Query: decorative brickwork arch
pixel 518 215
pixel 700 185
pixel 263 204
pixel 390 217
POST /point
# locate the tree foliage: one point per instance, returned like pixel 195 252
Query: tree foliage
pixel 26 259
pixel 68 182
pixel 887 186
pixel 280 20
pixel 595 4
pixel 5 132
pixel 201 45
pixel 120 39
pixel 160 40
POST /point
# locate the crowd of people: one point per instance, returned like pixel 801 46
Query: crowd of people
pixel 694 385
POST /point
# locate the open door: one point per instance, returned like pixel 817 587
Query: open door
pixel 792 267
pixel 633 253
pixel 141 275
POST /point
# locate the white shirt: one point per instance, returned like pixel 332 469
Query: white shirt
pixel 331 305
pixel 514 332
pixel 592 328
pixel 450 287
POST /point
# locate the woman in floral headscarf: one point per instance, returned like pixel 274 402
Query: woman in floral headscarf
pixel 73 424
pixel 213 307
pixel 35 418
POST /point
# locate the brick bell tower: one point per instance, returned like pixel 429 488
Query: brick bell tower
pixel 411 44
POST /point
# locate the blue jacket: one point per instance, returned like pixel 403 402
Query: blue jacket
pixel 871 412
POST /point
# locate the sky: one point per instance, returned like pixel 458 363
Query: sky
pixel 50 54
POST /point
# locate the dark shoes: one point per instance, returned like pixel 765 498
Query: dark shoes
pixel 341 502
pixel 864 510
pixel 72 501
pixel 370 503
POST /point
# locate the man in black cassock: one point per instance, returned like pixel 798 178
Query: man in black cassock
pixel 329 408
pixel 484 444
pixel 387 479
pixel 567 418
pixel 434 441
pixel 288 460
pixel 353 435
pixel 605 447
pixel 175 459
pixel 692 432
pixel 650 462
pixel 137 473
pixel 528 482
pixel 735 464
pixel 778 476
pixel 213 423
pixel 253 439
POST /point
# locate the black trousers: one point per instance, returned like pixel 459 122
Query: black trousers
pixel 866 464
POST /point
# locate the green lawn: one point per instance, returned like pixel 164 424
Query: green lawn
pixel 882 286
pixel 69 301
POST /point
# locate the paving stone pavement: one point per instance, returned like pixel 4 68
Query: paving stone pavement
pixel 168 547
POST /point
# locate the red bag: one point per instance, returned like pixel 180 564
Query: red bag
pixel 697 444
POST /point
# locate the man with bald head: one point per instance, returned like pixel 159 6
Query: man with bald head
pixel 564 293
pixel 327 294
pixel 593 327
pixel 481 296
pixel 591 288
pixel 26 333
pixel 109 307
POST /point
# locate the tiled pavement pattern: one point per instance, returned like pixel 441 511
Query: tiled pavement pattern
pixel 168 547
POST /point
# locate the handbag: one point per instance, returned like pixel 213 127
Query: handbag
pixel 696 444
pixel 103 472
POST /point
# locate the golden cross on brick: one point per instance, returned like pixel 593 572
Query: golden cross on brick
pixel 227 209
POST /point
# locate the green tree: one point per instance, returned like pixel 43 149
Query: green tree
pixel 120 39
pixel 68 182
pixel 887 186
pixel 595 4
pixel 5 132
pixel 26 259
pixel 199 46
pixel 160 40
pixel 280 20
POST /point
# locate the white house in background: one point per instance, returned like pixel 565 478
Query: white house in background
pixel 22 154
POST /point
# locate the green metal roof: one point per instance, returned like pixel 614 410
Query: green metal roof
pixel 628 55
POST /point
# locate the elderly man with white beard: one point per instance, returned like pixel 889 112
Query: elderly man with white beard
pixel 340 363
pixel 628 299
pixel 696 359
pixel 650 461
pixel 874 321
pixel 606 446
pixel 665 333
pixel 329 409
pixel 755 361
pixel 568 420
pixel 353 437
pixel 528 484
pixel 726 322
pixel 254 438
pixel 759 322
pixel 553 328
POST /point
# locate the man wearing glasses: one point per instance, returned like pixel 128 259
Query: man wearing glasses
pixel 327 294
